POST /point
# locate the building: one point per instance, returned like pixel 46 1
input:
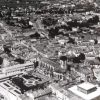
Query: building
pixel 41 93
pixel 59 92
pixel 84 73
pixel 97 73
pixel 19 68
pixel 31 89
pixel 9 92
pixel 86 91
pixel 86 88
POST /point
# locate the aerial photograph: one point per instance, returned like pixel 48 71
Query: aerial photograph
pixel 49 49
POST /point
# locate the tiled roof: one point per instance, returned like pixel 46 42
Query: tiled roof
pixel 47 61
pixel 85 71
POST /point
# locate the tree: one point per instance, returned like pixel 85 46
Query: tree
pixel 76 60
pixel 52 33
pixel 63 58
pixel 36 64
pixel 95 41
pixel 98 58
pixel 19 60
pixel 71 40
pixel 36 35
pixel 81 56
pixel 96 19
pixel 69 67
pixel 1 60
pixel 6 49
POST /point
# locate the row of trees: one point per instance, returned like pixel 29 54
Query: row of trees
pixel 68 26
pixel 74 59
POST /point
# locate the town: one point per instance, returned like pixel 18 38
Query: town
pixel 49 50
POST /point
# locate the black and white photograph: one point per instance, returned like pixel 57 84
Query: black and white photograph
pixel 49 49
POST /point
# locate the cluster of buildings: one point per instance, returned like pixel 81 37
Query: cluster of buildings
pixel 49 50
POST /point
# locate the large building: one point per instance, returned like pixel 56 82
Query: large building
pixel 86 91
pixel 24 87
pixel 19 68
pixel 8 92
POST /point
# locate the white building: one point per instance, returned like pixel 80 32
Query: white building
pixel 86 91
pixel 9 93
pixel 19 68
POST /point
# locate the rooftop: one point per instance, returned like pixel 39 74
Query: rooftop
pixel 84 96
pixel 86 86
